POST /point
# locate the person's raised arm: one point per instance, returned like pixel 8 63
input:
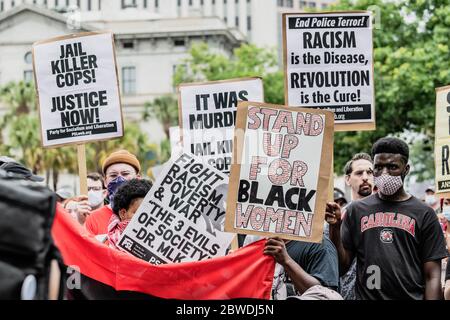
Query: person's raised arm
pixel 333 216
pixel 302 281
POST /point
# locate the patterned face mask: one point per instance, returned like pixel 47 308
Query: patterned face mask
pixel 112 188
pixel 387 184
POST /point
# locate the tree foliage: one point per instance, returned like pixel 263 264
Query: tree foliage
pixel 20 138
pixel 411 59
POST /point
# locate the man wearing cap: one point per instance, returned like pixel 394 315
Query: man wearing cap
pixel 119 167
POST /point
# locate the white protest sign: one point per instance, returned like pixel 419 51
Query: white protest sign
pixel 328 60
pixel 279 179
pixel 181 218
pixel 442 142
pixel 77 87
pixel 208 115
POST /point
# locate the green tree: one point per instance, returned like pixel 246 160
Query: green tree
pixel 248 60
pixel 165 110
pixel 411 60
pixel 20 128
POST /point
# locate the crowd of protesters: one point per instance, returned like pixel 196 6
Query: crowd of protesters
pixel 382 243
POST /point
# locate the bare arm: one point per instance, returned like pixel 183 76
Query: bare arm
pixel 432 272
pixel 447 290
pixel 302 281
pixel 333 217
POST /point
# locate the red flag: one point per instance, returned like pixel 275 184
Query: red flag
pixel 246 273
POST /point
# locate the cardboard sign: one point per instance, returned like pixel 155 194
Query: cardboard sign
pixel 442 145
pixel 77 88
pixel 281 170
pixel 328 60
pixel 208 114
pixel 181 218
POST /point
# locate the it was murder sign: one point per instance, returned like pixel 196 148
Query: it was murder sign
pixel 181 218
pixel 442 144
pixel 281 171
pixel 208 114
pixel 328 61
pixel 77 88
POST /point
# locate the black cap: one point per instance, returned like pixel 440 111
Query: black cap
pixel 339 194
pixel 19 170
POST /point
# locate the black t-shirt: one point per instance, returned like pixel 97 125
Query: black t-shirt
pixel 319 260
pixel 391 241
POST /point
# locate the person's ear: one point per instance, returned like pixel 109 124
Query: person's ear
pixel 407 168
pixel 105 193
pixel 347 180
pixel 122 214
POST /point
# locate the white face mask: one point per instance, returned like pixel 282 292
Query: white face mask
pixel 430 200
pixel 446 212
pixel 95 198
pixel 387 184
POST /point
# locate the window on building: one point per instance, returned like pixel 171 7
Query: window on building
pixel 128 4
pixel 56 3
pixel 129 80
pixel 156 5
pixel 312 4
pixel 67 3
pixel 249 23
pixel 13 3
pixel 225 11
pixel 145 4
pixel 28 76
pixel 89 5
pixel 302 4
pixel 190 3
pixel 289 3
pixel 45 2
pixel 280 3
pixel 2 6
pixel 28 57
pixel 202 2
pixel 99 5
pixel 78 4
pixel 324 5
pixel 128 45
pixel 179 42
pixel 236 21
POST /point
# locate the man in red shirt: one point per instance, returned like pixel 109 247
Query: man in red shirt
pixel 118 167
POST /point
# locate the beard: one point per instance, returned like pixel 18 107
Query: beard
pixel 365 190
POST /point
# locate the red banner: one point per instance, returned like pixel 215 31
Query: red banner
pixel 246 273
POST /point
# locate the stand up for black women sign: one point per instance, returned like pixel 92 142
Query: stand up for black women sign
pixel 78 91
pixel 281 171
pixel 442 145
pixel 329 65
pixel 181 218
pixel 208 114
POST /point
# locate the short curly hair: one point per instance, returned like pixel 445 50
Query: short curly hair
pixel 391 145
pixel 135 188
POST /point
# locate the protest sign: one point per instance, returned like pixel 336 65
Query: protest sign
pixel 181 218
pixel 328 61
pixel 208 116
pixel 280 173
pixel 442 144
pixel 77 89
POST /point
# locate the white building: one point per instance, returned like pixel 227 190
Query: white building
pixel 152 36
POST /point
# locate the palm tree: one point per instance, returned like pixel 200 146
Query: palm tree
pixel 165 110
